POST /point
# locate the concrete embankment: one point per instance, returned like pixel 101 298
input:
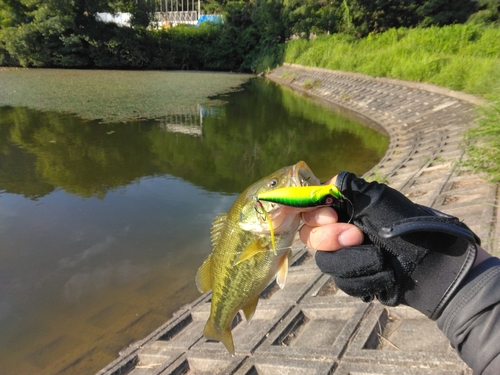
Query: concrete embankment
pixel 311 327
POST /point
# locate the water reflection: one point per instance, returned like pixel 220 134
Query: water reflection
pixel 187 120
pixel 103 226
pixel 220 148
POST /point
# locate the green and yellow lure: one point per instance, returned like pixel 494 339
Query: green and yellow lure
pixel 303 196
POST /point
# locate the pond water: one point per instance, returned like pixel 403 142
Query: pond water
pixel 104 224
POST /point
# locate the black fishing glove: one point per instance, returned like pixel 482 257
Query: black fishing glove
pixel 411 255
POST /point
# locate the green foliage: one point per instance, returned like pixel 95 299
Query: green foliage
pixel 270 34
pixel 11 13
pixel 114 47
pixel 446 12
pixel 306 17
pixel 142 13
pixel 68 35
pixel 51 33
pixel 374 16
pixel 362 17
pixel 310 85
pixel 488 13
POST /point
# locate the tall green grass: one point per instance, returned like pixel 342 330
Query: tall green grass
pixel 461 57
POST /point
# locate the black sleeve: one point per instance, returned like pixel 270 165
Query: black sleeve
pixel 471 320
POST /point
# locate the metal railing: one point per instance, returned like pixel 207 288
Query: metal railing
pixel 168 19
pixel 187 16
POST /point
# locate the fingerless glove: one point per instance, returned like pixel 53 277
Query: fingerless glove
pixel 411 255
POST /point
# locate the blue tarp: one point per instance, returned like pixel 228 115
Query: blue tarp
pixel 210 17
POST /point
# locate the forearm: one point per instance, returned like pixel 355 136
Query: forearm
pixel 471 320
pixel 482 255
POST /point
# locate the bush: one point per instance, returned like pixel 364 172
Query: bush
pixel 114 47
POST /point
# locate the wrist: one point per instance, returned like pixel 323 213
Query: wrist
pixel 482 255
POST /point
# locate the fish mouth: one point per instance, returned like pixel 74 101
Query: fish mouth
pixel 301 175
pixel 276 217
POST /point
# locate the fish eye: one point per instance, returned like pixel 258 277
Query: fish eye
pixel 273 183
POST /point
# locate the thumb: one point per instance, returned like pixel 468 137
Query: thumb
pixel 331 237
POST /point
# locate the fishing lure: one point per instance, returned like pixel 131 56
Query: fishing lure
pixel 303 196
pixel 298 197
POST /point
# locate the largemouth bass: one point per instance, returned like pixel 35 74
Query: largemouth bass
pixel 244 260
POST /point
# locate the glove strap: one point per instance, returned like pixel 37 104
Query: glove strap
pixel 438 276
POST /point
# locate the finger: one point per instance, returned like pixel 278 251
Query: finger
pixel 320 216
pixel 331 181
pixel 331 237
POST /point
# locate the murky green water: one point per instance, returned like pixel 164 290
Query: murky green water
pixel 103 225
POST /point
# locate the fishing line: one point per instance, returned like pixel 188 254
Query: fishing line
pixel 352 209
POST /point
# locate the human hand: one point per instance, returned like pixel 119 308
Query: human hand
pixel 323 231
pixel 409 254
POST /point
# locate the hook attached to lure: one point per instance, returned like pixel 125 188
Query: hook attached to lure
pixel 270 223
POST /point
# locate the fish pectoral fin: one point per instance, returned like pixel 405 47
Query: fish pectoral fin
pixel 217 226
pixel 212 332
pixel 203 277
pixel 250 307
pixel 253 249
pixel 283 270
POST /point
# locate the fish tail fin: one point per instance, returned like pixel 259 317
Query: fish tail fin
pixel 213 332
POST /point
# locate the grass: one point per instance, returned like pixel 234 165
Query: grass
pixel 309 85
pixel 461 57
pixel 484 152
pixel 376 175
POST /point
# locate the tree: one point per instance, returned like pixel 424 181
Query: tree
pixel 306 17
pixel 446 12
pixel 380 15
pixel 488 13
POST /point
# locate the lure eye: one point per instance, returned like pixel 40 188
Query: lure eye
pixel 328 200
pixel 273 183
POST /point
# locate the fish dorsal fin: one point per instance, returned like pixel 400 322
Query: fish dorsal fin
pixel 217 226
pixel 203 276
pixel 250 307
pixel 253 249
pixel 283 270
